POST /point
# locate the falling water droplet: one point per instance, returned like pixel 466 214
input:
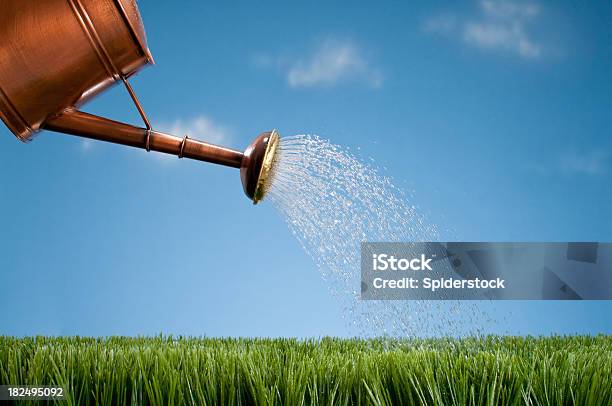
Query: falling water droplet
pixel 332 202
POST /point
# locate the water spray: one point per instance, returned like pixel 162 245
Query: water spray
pixel 58 54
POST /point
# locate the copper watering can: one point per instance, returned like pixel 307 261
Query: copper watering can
pixel 55 55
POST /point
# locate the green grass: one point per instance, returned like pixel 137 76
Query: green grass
pixel 166 370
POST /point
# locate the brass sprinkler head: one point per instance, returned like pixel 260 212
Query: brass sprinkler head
pixel 257 165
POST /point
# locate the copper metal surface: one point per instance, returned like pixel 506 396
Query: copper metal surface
pixel 57 54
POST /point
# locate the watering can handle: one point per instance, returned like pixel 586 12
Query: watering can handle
pixel 141 111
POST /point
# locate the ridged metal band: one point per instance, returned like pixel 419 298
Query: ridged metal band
pixel 185 138
pixel 148 141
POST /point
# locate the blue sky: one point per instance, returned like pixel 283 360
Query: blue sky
pixel 496 114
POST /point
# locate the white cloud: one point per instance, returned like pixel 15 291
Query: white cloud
pixel 574 162
pixel 200 127
pixel 584 163
pixel 332 62
pixel 441 24
pixel 496 36
pixel 86 145
pixel 501 26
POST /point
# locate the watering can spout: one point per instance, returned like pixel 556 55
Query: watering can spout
pixel 256 164
pixel 75 122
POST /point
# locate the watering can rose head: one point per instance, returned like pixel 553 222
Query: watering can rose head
pixel 257 168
